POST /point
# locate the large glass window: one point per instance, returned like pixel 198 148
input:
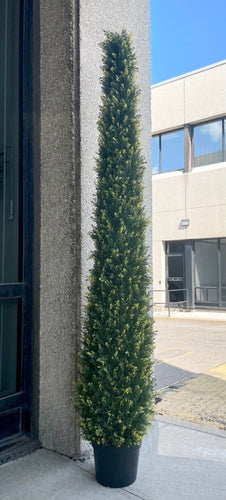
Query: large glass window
pixel 224 140
pixel 208 143
pixel 223 270
pixel 9 141
pixel 206 271
pixel 155 155
pixel 209 147
pixel 172 151
pixel 9 191
pixel 168 152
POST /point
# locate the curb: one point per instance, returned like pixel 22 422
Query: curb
pixel 190 425
pixel 187 318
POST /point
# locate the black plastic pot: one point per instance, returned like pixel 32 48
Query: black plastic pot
pixel 116 467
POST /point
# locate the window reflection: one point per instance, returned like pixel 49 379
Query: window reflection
pixel 223 270
pixel 172 151
pixel 9 141
pixel 208 144
pixel 224 140
pixel 155 155
pixel 206 271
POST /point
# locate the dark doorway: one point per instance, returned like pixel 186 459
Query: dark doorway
pixel 175 271
pixel 15 233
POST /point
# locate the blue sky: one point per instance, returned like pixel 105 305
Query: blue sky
pixel 186 35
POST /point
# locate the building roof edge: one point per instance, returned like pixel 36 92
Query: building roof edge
pixel 185 75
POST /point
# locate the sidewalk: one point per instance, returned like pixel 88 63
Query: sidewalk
pixel 204 315
pixel 178 461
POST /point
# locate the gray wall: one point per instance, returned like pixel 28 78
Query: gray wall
pixel 59 276
pixel 67 176
pixel 95 18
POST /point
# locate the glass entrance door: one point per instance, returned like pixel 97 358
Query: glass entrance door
pixel 175 271
pixel 14 405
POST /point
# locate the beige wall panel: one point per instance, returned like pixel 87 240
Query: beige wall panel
pixel 189 99
pixel 166 226
pixel 199 196
pixel 168 192
pixel 167 106
pixel 205 94
pixel 158 270
pixel 207 222
pixel 206 186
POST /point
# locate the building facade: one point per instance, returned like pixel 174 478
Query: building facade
pixel 189 195
pixel 50 61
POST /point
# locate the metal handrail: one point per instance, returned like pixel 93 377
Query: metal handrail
pixel 206 289
pixel 167 303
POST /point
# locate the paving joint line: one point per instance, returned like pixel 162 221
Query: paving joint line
pixel 134 494
pixel 84 470
pixel 123 489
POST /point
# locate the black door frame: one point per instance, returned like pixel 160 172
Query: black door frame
pixel 23 290
pixel 167 256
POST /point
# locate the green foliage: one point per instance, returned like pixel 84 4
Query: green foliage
pixel 116 388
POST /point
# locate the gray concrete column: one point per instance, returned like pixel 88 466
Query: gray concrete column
pixel 70 96
pixel 60 224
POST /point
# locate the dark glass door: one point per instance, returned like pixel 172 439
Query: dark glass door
pixel 175 271
pixel 14 396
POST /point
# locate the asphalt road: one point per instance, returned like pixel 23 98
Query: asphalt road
pixel 190 370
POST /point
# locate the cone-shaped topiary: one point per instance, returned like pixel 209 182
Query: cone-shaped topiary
pixel 116 387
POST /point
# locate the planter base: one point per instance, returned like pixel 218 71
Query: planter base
pixel 116 467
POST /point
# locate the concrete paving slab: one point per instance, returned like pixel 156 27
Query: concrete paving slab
pixel 188 464
pixel 201 399
pixel 178 461
pixel 190 370
pixel 45 475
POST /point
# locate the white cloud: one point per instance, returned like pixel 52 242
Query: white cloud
pixel 213 130
pixel 155 169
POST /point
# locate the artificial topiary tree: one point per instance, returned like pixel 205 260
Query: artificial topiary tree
pixel 116 388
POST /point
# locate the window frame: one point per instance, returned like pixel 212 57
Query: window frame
pixel 23 289
pixel 180 129
pixel 191 128
pixel 200 124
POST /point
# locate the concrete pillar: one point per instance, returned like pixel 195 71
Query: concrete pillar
pixel 60 224
pixel 70 70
